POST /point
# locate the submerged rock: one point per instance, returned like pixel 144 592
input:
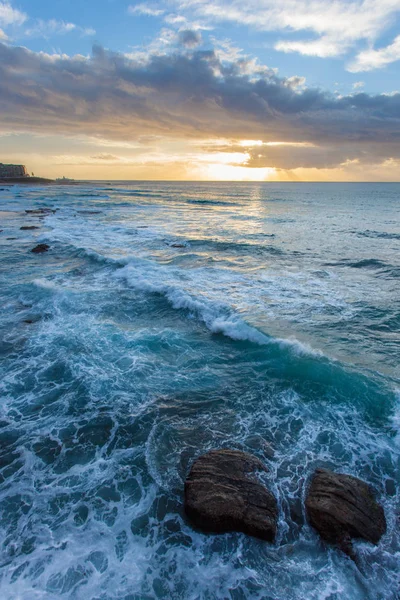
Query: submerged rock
pixel 40 211
pixel 258 443
pixel 27 227
pixel 223 494
pixel 40 248
pixel 342 507
pixel 32 319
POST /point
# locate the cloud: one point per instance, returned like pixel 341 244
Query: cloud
pixel 295 81
pixel 107 157
pixel 189 38
pixel 10 15
pixel 336 26
pixel 144 9
pixel 324 47
pixel 322 156
pixel 358 85
pixel 178 20
pixel 376 59
pixel 195 95
pixel 53 27
pixel 3 36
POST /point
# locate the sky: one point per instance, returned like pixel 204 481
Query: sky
pixel 259 90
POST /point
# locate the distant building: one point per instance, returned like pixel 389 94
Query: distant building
pixel 10 171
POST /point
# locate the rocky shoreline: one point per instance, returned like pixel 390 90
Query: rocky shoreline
pixel 35 181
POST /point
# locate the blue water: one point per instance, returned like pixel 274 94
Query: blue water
pixel 168 319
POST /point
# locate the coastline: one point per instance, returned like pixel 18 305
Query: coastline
pixel 35 181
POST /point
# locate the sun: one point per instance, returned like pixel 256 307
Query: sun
pixel 219 172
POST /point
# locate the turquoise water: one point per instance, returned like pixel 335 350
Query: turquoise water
pixel 168 319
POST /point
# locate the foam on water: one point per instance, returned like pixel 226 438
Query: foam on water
pixel 121 362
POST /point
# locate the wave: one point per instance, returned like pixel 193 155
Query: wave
pixel 366 263
pixel 391 273
pixel 217 317
pixel 378 234
pixel 83 252
pixel 241 247
pixel 77 194
pixel 146 276
pixel 383 270
pixel 222 246
pixel 140 193
pixel 212 202
pixel 90 212
pixel 309 370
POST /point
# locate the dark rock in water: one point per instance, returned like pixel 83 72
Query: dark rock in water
pixel 223 494
pixel 40 211
pixel 256 442
pixel 40 248
pixel 27 227
pixel 32 319
pixel 178 246
pixel 342 507
pixel 11 238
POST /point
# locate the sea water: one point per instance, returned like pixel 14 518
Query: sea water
pixel 167 319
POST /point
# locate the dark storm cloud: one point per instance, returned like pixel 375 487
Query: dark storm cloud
pixel 192 94
pixel 189 38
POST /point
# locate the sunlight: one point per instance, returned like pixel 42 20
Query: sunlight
pixel 250 143
pixel 218 172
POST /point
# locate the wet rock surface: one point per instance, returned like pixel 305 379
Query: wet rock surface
pixel 40 248
pixel 222 493
pixel 342 507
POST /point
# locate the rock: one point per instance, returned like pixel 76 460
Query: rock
pixel 40 248
pixel 178 246
pixel 223 494
pixel 256 442
pixel 32 318
pixel 41 211
pixel 342 507
pixel 27 227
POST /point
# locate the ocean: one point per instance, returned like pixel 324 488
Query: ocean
pixel 167 319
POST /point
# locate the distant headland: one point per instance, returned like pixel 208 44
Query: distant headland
pixel 12 174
